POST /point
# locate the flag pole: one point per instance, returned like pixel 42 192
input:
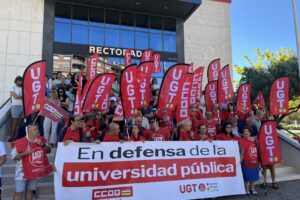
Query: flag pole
pixel 296 31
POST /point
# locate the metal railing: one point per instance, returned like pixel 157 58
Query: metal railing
pixel 291 133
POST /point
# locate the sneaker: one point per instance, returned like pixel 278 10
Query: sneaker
pixel 275 186
pixel 263 185
pixel 253 192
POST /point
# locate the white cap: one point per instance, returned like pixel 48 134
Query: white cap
pixel 113 99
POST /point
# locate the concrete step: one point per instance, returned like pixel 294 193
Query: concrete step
pixel 283 173
pixel 41 197
pixel 43 189
pixel 9 179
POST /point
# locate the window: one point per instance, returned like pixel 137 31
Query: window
pixel 62 12
pixel 96 36
pixel 127 21
pixel 155 24
pixel 169 43
pixel 55 57
pixel 156 42
pixel 170 26
pixel 62 32
pixel 79 34
pixel 96 17
pixel 141 40
pixel 66 66
pixel 67 58
pixel 127 39
pixel 56 66
pixel 112 37
pixel 142 22
pixel 112 19
pixel 80 15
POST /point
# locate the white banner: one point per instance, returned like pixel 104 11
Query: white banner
pixel 147 171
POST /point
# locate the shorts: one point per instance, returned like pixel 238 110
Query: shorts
pixel 23 185
pixel 17 111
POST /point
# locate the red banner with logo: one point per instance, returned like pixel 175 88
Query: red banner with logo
pixel 191 68
pixel 269 144
pixel 127 57
pixel 196 90
pixel 143 78
pixel 260 100
pixel 279 97
pixel 213 70
pixel 53 111
pixel 243 105
pixel 171 87
pixel 183 105
pixel 36 164
pixel 34 87
pixel 119 114
pixel 157 68
pixel 98 91
pixel 92 66
pixel 211 94
pixel 225 87
pixel 147 55
pixel 78 101
pixel 130 94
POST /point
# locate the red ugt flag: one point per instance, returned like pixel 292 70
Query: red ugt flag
pixel 78 104
pixel 127 57
pixel 243 104
pixel 92 67
pixel 53 111
pixel 119 114
pixel 147 55
pixel 225 87
pixel 196 90
pixel 279 96
pixel 211 94
pixel 98 91
pixel 269 144
pixel 130 95
pixel 213 70
pixel 157 68
pixel 34 87
pixel 260 100
pixel 171 87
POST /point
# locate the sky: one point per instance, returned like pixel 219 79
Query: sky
pixel 264 24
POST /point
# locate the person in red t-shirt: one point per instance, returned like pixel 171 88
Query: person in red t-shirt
pixel 201 134
pixel 73 134
pixel 211 125
pixel 157 133
pixel 196 117
pixel 230 113
pixel 216 113
pixel 249 159
pixel 227 133
pixel 185 128
pixel 112 134
pixel 136 134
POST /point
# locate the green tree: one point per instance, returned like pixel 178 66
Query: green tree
pixel 265 69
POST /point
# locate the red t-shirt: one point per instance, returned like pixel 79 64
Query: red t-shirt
pixel 163 134
pixel 216 116
pixel 111 138
pixel 185 136
pixel 250 157
pixel 72 135
pixel 138 139
pixel 211 127
pixel 223 136
pixel 198 137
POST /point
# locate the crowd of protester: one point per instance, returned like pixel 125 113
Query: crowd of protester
pixel 220 123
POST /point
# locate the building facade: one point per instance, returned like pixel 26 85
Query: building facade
pixel 66 32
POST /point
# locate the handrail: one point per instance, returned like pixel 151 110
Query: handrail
pixel 295 135
pixel 4 103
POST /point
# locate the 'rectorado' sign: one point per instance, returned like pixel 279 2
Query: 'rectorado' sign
pixel 112 51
